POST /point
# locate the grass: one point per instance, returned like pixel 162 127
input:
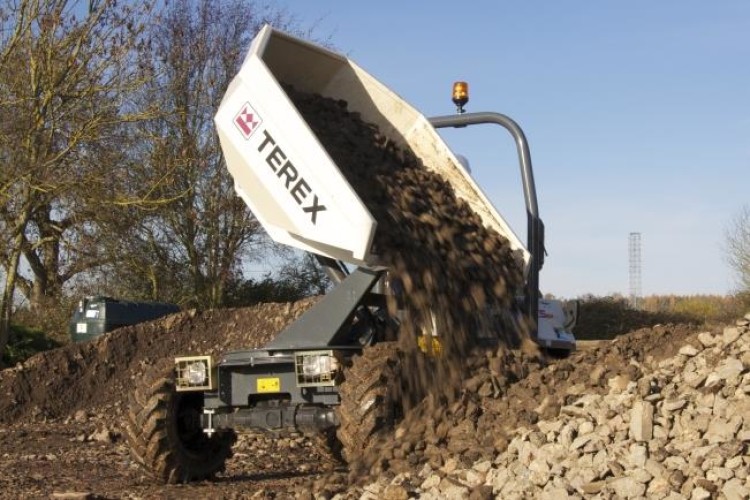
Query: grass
pixel 608 317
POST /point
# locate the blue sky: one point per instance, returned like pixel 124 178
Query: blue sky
pixel 637 114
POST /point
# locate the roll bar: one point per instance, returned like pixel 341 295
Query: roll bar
pixel 535 226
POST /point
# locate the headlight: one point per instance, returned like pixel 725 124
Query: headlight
pixel 197 373
pixel 316 368
pixel 194 373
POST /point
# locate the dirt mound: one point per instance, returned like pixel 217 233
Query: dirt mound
pixel 505 390
pixel 59 382
pixel 660 413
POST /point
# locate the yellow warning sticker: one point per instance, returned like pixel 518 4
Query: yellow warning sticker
pixel 269 385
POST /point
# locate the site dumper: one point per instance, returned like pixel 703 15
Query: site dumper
pixel 182 420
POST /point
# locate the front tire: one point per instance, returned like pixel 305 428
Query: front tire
pixel 370 398
pixel 164 432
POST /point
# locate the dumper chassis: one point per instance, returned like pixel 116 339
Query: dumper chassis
pixel 336 370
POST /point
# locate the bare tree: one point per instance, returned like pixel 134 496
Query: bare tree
pixel 66 68
pixel 738 246
pixel 207 231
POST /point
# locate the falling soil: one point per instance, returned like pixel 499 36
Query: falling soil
pixel 454 271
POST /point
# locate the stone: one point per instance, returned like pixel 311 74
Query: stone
pixel 660 432
pixel 483 466
pixel 452 490
pixel 567 434
pixel 735 490
pixel 548 427
pixel 695 379
pixel 720 430
pixel 618 384
pixel 706 484
pixel 734 462
pixel 674 405
pixel 499 479
pixel 688 351
pixel 395 492
pixel 473 479
pixel 593 488
pixel 627 487
pixel 675 463
pixel 483 492
pixel 714 382
pixel 638 456
pixel 102 436
pixel 574 411
pixel 586 427
pixel 719 473
pixel 431 482
pixel 539 472
pixel 538 439
pixel 658 488
pixel 450 465
pixel 700 494
pixel 731 334
pixel 580 441
pixel 642 421
pixel 676 479
pixel 596 374
pixel 730 369
pixel 707 339
pixel 640 475
pixel 655 468
pixel 554 494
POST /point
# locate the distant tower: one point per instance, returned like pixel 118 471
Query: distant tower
pixel 635 269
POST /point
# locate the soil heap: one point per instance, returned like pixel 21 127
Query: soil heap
pixel 82 376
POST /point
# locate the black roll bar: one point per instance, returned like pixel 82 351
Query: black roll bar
pixel 535 226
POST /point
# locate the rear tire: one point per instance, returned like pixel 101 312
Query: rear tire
pixel 370 396
pixel 164 432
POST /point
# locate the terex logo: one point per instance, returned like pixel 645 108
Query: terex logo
pixel 287 173
pixel 247 120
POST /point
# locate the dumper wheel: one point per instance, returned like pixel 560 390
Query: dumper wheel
pixel 370 396
pixel 164 432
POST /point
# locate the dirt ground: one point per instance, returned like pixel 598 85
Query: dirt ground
pixel 60 432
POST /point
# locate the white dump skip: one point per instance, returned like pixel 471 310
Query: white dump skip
pixel 285 175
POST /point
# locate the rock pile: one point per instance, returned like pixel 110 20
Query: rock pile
pixel 681 429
